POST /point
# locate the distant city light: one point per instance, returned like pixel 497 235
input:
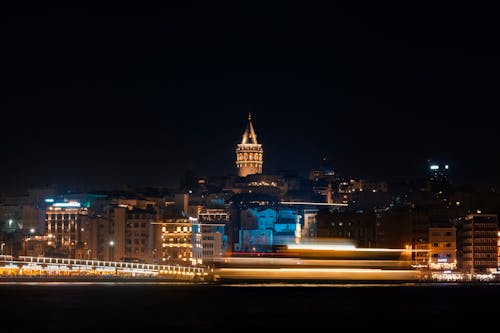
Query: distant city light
pixel 67 204
pixel 32 230
pixel 49 200
pixel 434 167
pixel 312 203
pixel 321 247
pixel 446 166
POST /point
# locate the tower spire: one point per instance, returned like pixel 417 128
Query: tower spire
pixel 249 136
pixel 251 132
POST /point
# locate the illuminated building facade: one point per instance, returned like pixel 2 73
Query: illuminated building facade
pixel 209 242
pixel 249 153
pixel 174 241
pixel 479 242
pixel 309 223
pixel 65 228
pixel 217 221
pixel 37 246
pixel 443 248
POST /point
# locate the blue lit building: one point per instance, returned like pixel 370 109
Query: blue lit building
pixel 264 227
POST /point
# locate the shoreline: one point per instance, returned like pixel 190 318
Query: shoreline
pixel 120 279
pixel 235 282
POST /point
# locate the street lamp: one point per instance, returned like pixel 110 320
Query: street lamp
pixel 154 255
pixel 111 250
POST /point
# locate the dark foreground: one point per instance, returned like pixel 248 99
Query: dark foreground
pixel 184 307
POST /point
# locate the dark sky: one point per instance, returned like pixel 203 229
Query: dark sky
pixel 126 94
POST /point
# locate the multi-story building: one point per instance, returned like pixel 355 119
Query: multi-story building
pixel 125 233
pixel 359 227
pixel 420 224
pixel 309 229
pixel 393 228
pixel 256 229
pixel 443 248
pixel 479 243
pixel 264 227
pixel 209 242
pixel 37 246
pixel 174 241
pixel 217 220
pixel 65 228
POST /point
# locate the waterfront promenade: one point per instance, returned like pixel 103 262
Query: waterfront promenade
pixel 43 269
pixel 24 268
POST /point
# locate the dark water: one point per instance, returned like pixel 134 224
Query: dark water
pixel 127 307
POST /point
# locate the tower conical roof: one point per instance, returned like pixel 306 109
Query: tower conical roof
pixel 249 137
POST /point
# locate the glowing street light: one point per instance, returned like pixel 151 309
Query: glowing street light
pixel 111 250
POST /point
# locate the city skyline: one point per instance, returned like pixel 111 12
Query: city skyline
pixel 141 95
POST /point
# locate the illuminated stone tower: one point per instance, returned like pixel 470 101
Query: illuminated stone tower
pixel 249 153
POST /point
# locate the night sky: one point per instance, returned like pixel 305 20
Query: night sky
pixel 106 96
